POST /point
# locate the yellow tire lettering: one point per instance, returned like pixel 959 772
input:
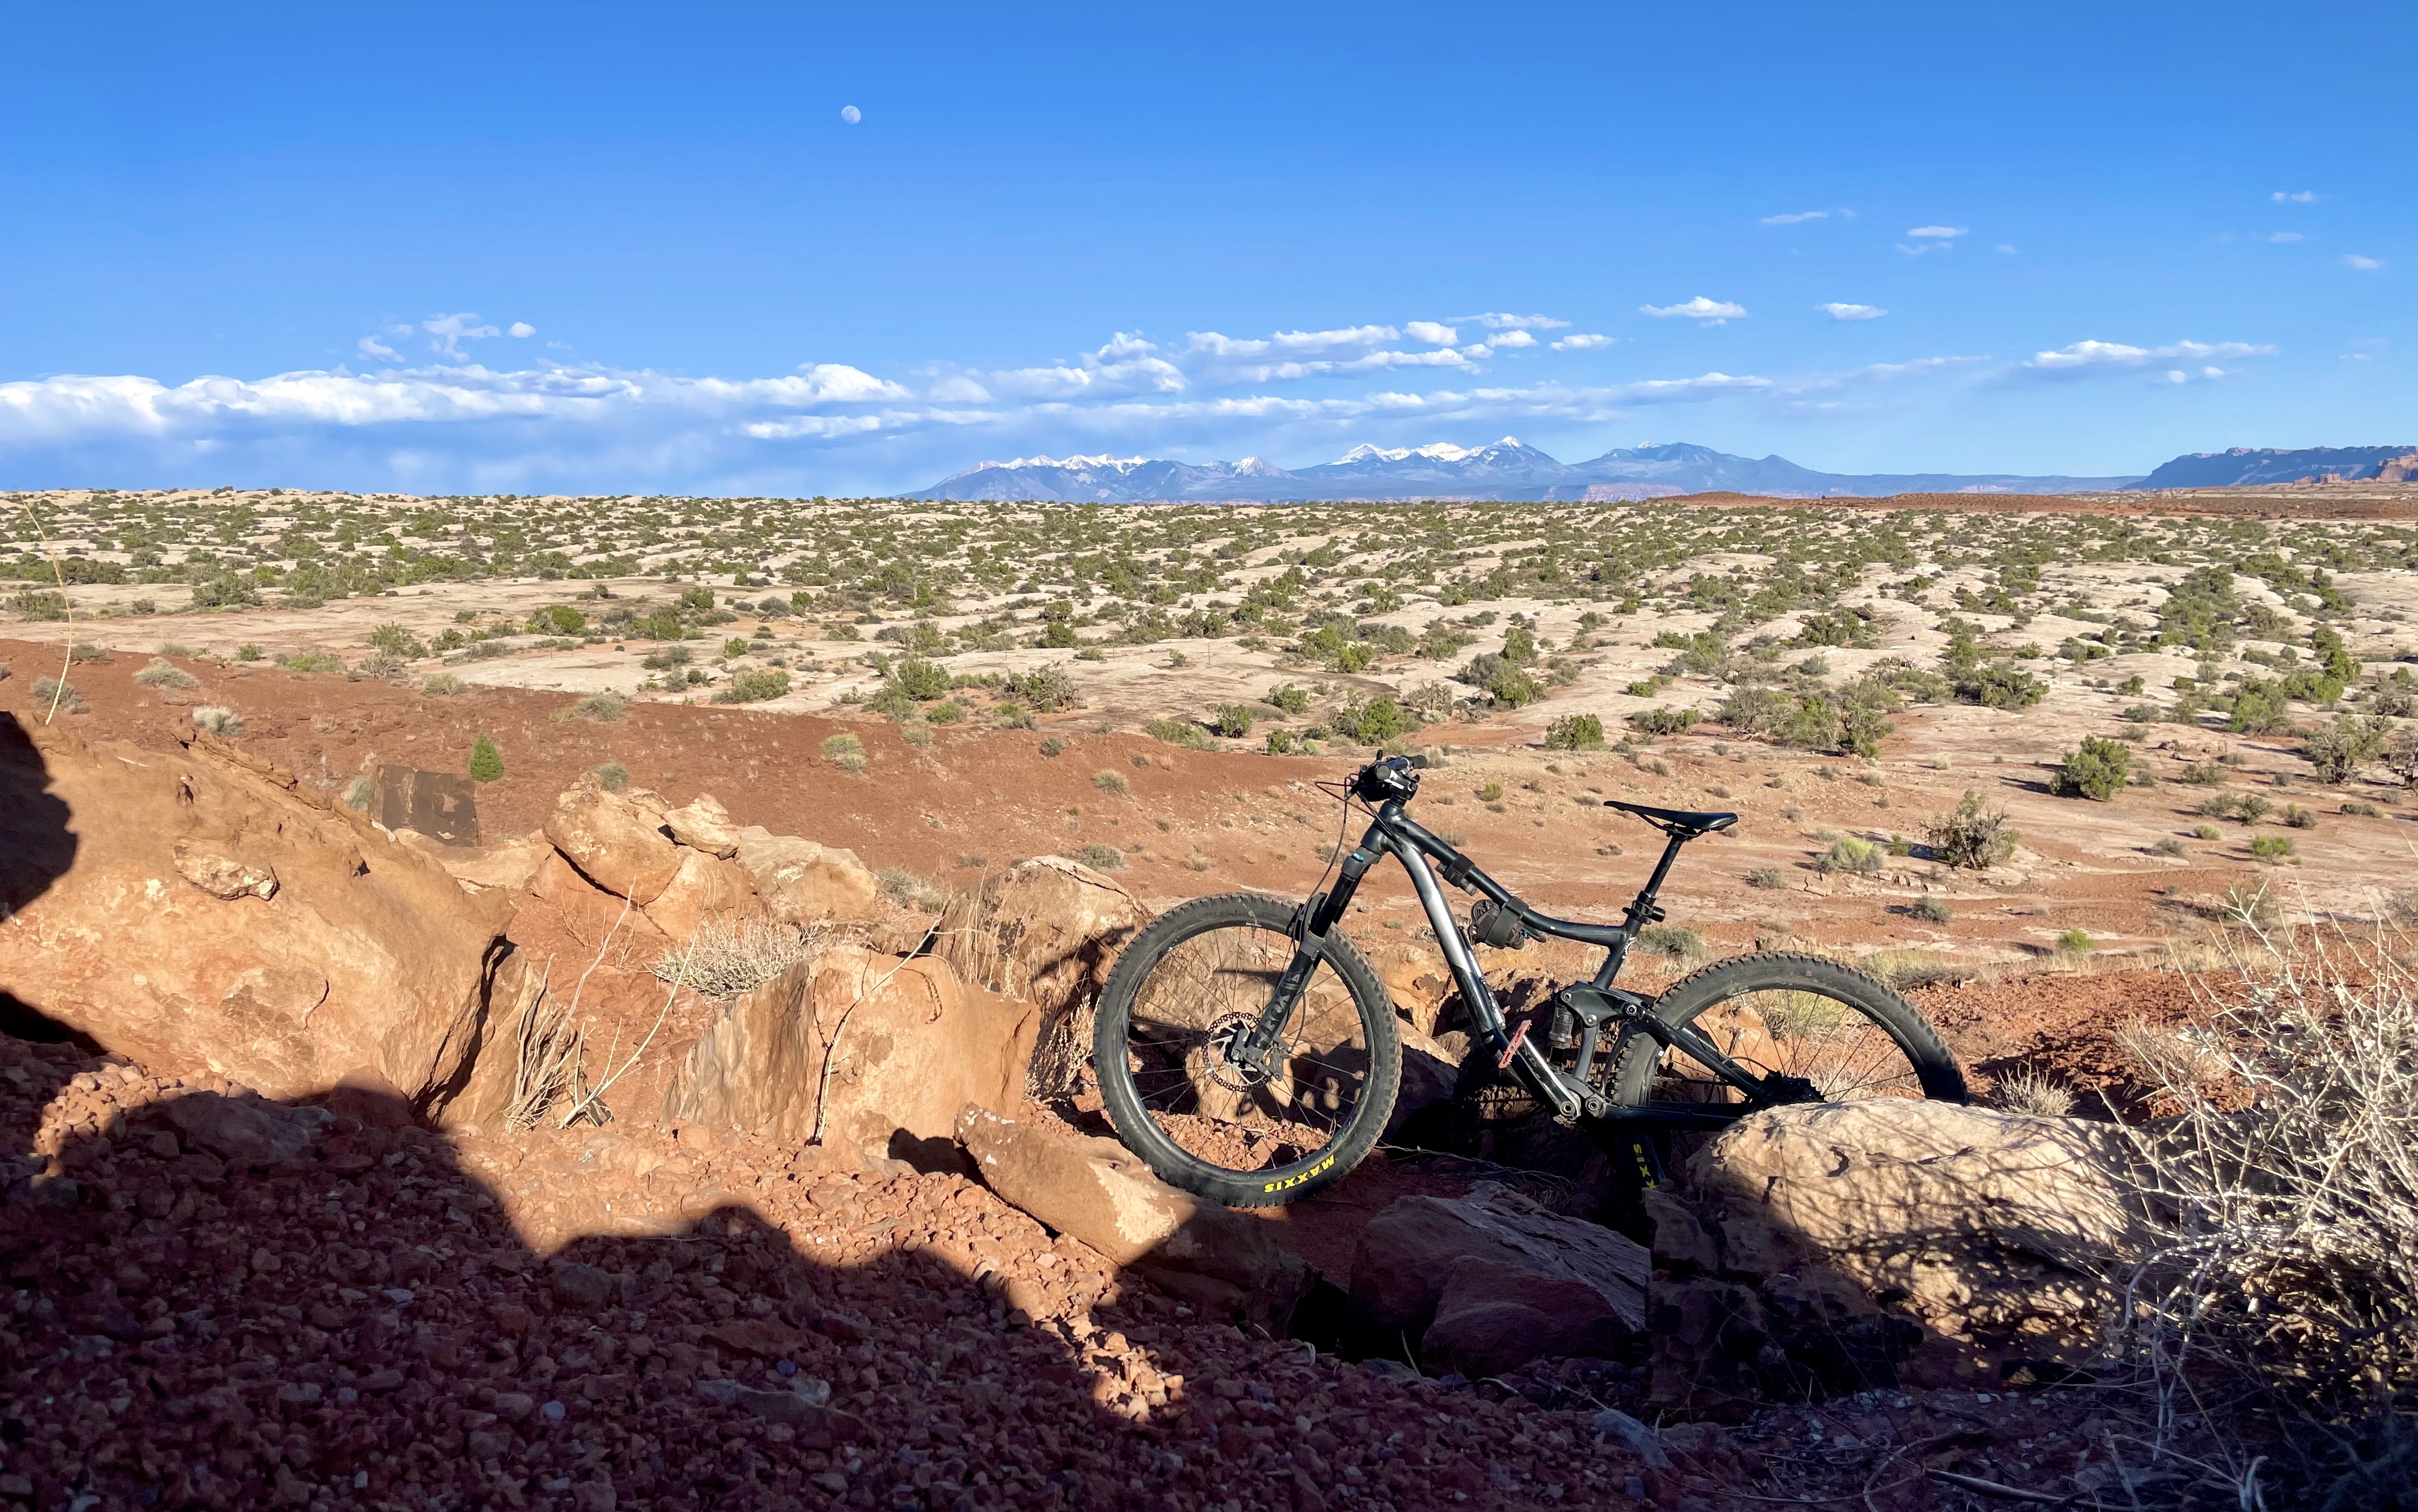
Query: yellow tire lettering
pixel 1295 1181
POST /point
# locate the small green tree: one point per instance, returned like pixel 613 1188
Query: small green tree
pixel 1973 837
pixel 1233 721
pixel 2338 749
pixel 1577 732
pixel 2096 770
pixel 486 762
pixel 2258 709
pixel 919 680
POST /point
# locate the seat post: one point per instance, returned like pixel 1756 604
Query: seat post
pixel 1641 913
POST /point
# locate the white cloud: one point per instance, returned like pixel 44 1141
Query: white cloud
pixel 1853 312
pixel 2284 236
pixel 1939 233
pixel 1503 322
pixel 2306 196
pixel 2093 358
pixel 520 329
pixel 2007 248
pixel 1793 217
pixel 2365 265
pixel 452 331
pixel 1710 311
pixel 1584 342
pixel 371 346
pixel 1432 333
pixel 1516 338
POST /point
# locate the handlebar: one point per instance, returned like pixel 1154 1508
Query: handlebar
pixel 1390 780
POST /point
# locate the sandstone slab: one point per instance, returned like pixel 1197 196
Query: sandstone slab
pixel 615 840
pixel 802 882
pixel 1101 1193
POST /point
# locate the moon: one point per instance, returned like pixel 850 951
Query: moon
pixel 850 115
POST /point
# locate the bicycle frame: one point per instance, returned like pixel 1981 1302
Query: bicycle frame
pixel 1393 833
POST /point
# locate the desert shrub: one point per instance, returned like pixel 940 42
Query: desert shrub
pixel 1972 837
pixel 1045 689
pixel 1111 782
pixel 1657 721
pixel 734 648
pixel 382 666
pixel 844 750
pixel 613 776
pixel 85 650
pixel 1576 732
pixel 2258 709
pixel 915 733
pixel 1998 686
pixel 2360 809
pixel 2206 832
pixel 1766 877
pixel 947 711
pixel 164 674
pixel 218 720
pixel 1101 858
pixel 2282 1256
pixel 1432 701
pixel 2077 942
pixel 2337 749
pixel 1234 721
pixel 2202 775
pixel 727 957
pixel 906 887
pixel 1372 721
pixel 226 590
pixel 486 761
pixel 312 662
pixel 1859 858
pixel 2027 1091
pixel 2270 846
pixel 603 708
pixel 922 679
pixel 393 636
pixel 1181 732
pixel 557 620
pixel 2167 845
pixel 53 691
pixel 1932 910
pixel 1292 700
pixel 39 604
pixel 1906 969
pixel 1011 715
pixel 1673 943
pixel 753 687
pixel 1504 682
pixel 2096 770
pixel 1053 746
pixel 1280 742
pixel 2295 817
pixel 443 684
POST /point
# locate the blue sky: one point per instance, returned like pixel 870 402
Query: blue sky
pixel 522 248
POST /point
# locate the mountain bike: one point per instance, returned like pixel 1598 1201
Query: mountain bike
pixel 1247 1052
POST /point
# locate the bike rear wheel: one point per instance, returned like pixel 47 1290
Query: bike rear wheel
pixel 1197 976
pixel 1794 1016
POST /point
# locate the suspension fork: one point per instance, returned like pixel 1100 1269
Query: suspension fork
pixel 1318 916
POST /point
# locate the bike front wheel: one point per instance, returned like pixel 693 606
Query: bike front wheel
pixel 1188 984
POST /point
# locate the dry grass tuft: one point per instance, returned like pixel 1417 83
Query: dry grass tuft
pixel 727 957
pixel 2285 1190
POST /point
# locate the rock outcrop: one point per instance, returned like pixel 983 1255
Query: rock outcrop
pixel 616 840
pixel 1485 1283
pixel 801 882
pixel 1851 1246
pixel 871 1052
pixel 1048 930
pixel 200 910
pixel 1221 1262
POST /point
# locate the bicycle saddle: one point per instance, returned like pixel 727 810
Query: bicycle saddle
pixel 1678 819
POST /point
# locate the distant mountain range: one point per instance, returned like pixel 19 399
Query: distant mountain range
pixel 1505 470
pixel 2266 464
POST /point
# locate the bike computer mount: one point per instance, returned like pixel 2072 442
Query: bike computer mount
pixel 1391 781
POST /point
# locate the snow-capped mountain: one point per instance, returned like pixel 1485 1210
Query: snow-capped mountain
pixel 1507 469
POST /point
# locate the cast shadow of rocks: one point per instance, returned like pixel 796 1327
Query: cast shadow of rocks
pixel 208 1312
